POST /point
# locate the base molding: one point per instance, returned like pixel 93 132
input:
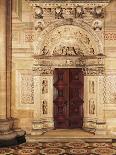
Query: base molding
pixel 9 135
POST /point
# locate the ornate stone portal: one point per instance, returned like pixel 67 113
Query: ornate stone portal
pixel 69 35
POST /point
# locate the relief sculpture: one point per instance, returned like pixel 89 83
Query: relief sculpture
pixel 91 106
pixel 44 86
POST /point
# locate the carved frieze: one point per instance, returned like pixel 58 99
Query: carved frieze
pixel 46 71
pixel 92 71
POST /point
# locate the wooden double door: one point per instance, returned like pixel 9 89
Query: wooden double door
pixel 68 98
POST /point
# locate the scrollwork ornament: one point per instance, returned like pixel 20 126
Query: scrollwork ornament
pixel 46 71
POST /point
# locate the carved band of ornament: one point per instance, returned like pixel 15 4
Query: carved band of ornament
pixel 93 71
pixel 60 12
pixel 43 71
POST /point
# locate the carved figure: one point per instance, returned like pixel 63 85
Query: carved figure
pixel 98 12
pixel 67 51
pixel 38 12
pixel 79 11
pixel 39 24
pixel 91 106
pixel 44 50
pixel 59 13
pixel 97 25
pixel 44 107
pixel 44 86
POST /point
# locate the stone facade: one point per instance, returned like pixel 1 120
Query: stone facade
pixel 48 35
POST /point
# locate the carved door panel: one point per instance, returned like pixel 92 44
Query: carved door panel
pixel 68 101
pixel 75 98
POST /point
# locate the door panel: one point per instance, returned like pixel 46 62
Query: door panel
pixel 68 101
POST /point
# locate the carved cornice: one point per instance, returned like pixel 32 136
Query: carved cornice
pixel 71 1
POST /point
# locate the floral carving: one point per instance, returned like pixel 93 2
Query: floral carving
pixel 43 70
pixel 27 89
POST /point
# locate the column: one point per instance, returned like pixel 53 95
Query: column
pixel 3 59
pixel 8 135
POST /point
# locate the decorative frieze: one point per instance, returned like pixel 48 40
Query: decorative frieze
pixel 92 71
pixel 43 71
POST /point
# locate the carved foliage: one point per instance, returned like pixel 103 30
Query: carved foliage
pixel 27 89
pixel 110 83
pixel 43 70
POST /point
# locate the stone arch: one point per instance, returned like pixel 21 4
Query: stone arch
pixel 40 42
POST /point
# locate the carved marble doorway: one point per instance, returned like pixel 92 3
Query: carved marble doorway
pixel 68 98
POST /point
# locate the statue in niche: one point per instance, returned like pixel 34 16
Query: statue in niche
pixel 44 86
pixel 91 106
pixel 91 87
pixel 59 13
pixel 44 107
